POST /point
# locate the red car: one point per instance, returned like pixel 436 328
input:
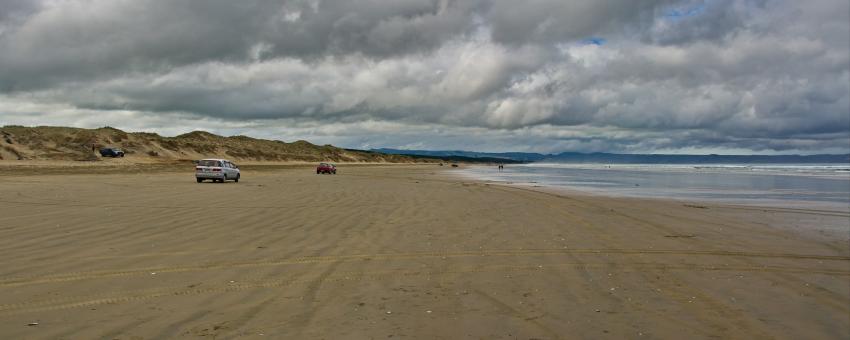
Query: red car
pixel 325 168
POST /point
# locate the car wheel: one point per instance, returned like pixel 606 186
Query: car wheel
pixel 199 180
pixel 237 178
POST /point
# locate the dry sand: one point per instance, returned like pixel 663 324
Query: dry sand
pixel 402 252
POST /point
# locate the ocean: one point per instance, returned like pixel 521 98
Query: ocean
pixel 787 185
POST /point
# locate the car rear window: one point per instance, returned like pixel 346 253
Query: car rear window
pixel 209 163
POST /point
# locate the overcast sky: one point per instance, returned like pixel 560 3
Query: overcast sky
pixel 691 76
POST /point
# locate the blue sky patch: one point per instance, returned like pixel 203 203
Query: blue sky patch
pixel 681 13
pixel 594 41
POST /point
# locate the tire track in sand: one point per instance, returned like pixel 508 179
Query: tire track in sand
pixel 119 297
pixel 79 276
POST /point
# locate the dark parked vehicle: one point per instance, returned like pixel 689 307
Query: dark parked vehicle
pixel 111 152
pixel 325 168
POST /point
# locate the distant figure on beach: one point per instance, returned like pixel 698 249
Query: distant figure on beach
pixel 501 166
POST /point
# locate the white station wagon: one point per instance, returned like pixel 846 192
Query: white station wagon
pixel 217 170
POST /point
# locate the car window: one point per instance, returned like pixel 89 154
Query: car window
pixel 207 162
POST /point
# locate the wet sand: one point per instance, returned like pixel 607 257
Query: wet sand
pixel 402 252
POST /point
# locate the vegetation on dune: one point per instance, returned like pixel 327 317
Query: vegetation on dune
pixel 65 143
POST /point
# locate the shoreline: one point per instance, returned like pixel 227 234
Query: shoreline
pixel 837 228
pixel 842 170
pixel 827 206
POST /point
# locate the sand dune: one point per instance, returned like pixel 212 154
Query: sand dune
pixel 402 252
pixel 74 144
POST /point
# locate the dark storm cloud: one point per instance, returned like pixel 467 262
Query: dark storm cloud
pixel 96 39
pixel 553 21
pixel 691 21
pixel 761 75
pixel 17 9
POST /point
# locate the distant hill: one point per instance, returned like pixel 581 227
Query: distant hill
pixel 613 158
pixel 64 143
pixel 449 157
pixel 495 156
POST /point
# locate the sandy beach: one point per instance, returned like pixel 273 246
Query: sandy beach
pixel 412 252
